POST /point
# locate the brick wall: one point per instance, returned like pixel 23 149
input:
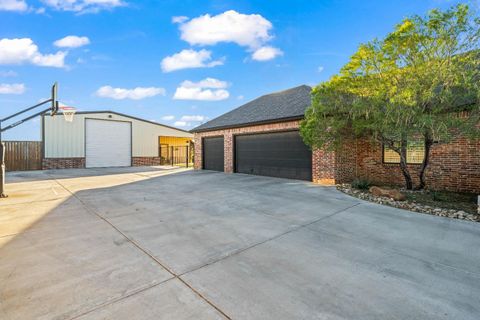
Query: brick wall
pixel 63 163
pixel 146 161
pixel 323 166
pixel 454 166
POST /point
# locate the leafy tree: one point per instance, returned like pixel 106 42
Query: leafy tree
pixel 410 86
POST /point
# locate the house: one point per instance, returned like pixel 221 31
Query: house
pixel 262 137
pixel 110 139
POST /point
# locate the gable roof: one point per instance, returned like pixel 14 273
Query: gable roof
pixel 131 117
pixel 279 106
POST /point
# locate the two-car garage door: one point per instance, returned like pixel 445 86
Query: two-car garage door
pixel 275 154
pixel 108 143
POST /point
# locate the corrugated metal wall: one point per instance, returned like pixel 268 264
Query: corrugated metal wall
pixel 67 139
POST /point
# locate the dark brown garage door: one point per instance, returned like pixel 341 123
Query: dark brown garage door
pixel 279 154
pixel 213 153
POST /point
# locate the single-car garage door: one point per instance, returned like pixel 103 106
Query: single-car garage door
pixel 108 143
pixel 213 153
pixel 276 154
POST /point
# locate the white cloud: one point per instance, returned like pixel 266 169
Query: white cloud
pixel 168 118
pixel 266 53
pixel 206 83
pixel 193 118
pixel 181 124
pixel 134 94
pixel 72 42
pixel 189 58
pixel 13 5
pixel 179 19
pixel 208 89
pixel 190 121
pixel 16 88
pixel 248 30
pixel 84 6
pixel 19 51
pixel 320 69
pixel 8 74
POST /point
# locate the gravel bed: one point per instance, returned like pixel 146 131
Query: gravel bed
pixel 408 205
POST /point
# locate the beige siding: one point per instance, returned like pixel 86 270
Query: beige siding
pixel 67 139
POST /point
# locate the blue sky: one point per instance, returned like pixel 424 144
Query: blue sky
pixel 178 62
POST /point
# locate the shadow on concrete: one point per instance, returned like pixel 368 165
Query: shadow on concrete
pixel 120 245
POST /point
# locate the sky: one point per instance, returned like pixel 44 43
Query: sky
pixel 180 63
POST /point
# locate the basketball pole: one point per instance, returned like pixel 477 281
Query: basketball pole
pixel 52 109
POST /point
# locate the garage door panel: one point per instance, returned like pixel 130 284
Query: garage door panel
pixel 213 153
pixel 108 143
pixel 279 154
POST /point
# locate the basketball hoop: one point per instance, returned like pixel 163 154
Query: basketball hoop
pixel 68 112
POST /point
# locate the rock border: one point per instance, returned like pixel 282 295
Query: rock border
pixel 408 205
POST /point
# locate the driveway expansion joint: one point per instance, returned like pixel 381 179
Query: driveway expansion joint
pixel 296 228
pixel 175 276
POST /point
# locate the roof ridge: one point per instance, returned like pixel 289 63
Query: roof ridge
pixel 281 91
pixel 282 104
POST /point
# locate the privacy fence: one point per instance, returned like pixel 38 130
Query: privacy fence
pixel 23 155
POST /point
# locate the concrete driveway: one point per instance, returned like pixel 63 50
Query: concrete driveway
pixel 156 243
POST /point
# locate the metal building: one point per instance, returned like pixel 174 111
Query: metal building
pixel 109 139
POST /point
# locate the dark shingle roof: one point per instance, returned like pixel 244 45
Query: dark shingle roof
pixel 283 105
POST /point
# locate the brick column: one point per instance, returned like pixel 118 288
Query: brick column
pixel 228 151
pixel 323 167
pixel 197 138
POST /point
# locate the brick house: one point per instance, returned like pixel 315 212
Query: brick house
pixel 261 137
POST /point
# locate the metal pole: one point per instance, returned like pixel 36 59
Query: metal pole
pixel 187 156
pixel 2 170
pixel 171 148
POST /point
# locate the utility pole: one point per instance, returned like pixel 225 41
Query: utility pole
pixel 52 109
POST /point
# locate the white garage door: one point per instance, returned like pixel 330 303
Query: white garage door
pixel 108 143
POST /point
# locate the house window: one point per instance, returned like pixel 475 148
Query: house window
pixel 415 153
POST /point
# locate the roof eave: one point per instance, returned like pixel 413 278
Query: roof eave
pixel 247 124
pixel 131 117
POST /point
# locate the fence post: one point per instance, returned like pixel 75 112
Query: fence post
pixel 2 170
pixel 173 156
pixel 186 159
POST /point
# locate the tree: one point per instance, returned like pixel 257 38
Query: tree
pixel 410 86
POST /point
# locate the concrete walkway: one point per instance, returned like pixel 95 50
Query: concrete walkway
pixel 163 243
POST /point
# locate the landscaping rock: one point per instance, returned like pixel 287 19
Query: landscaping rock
pixel 388 193
pixel 378 195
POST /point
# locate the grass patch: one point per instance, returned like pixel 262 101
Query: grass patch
pixel 444 199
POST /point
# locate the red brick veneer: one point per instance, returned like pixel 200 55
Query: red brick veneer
pixel 62 163
pixel 454 166
pixel 147 161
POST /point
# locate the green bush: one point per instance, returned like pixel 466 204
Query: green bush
pixel 361 184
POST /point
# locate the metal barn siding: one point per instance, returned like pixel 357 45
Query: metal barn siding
pixel 213 153
pixel 67 140
pixel 279 154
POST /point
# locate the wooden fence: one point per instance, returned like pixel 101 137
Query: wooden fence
pixel 23 155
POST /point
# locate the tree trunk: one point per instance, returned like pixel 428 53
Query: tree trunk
pixel 428 142
pixel 403 165
pixel 402 152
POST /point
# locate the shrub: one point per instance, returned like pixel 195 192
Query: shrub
pixel 361 184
